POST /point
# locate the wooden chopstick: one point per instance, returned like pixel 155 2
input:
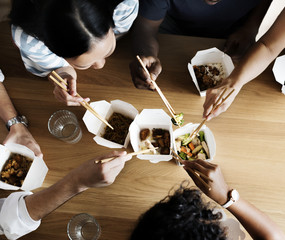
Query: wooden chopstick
pixel 216 105
pixel 196 172
pixel 59 81
pixel 167 104
pixel 130 154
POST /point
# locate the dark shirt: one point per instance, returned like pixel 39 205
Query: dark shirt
pixel 197 18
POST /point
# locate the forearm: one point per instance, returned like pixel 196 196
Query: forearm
pixel 144 37
pixel 257 224
pixel 7 111
pixel 254 63
pixel 42 203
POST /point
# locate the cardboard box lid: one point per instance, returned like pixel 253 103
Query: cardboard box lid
pixel 212 55
pixel 36 173
pixel 279 71
pixel 150 118
pixel 105 109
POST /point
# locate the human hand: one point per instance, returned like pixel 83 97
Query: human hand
pixel 219 188
pixel 91 174
pixel 140 78
pixel 20 134
pixel 239 42
pixel 68 74
pixel 213 94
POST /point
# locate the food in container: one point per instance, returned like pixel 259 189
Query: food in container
pixel 156 138
pixel 213 58
pixel 121 125
pixel 15 169
pixel 192 148
pixel 209 75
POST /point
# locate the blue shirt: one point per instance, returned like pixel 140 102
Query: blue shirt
pixel 197 17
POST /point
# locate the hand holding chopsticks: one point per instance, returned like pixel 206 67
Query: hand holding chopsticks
pixel 167 104
pixel 62 84
pixel 130 154
pixel 215 106
pixel 199 175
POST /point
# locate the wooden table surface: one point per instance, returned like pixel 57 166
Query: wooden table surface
pixel 250 136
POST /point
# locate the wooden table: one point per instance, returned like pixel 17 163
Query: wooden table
pixel 250 136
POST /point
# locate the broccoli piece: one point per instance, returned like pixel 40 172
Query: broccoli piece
pixel 202 136
pixel 183 155
pixel 178 119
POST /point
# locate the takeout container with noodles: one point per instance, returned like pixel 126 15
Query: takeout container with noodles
pixel 105 109
pixel 36 173
pixel 150 119
pixel 208 135
pixel 210 56
pixel 279 71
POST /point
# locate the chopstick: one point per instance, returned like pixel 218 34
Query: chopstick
pixel 59 81
pixel 167 104
pixel 216 105
pixel 130 154
pixel 196 172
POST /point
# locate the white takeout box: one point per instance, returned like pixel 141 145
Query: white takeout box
pixel 36 173
pixel 209 137
pixel 105 109
pixel 212 55
pixel 279 71
pixel 150 118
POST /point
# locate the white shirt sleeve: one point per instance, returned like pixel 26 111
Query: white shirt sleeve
pixel 15 220
pixel 1 76
pixel 37 57
pixel 124 15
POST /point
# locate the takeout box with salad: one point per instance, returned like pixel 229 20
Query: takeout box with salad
pixel 119 114
pixel 202 146
pixel 20 168
pixel 152 128
pixel 208 68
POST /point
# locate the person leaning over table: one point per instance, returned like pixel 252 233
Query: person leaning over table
pixel 185 216
pixel 21 212
pixel 257 59
pixel 18 131
pixel 236 20
pixel 67 35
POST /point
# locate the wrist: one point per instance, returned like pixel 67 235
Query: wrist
pixel 16 121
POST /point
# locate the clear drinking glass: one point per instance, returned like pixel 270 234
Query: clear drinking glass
pixel 83 227
pixel 63 125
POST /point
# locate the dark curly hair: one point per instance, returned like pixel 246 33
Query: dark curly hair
pixel 67 27
pixel 182 216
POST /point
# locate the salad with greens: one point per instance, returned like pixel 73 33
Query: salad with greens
pixel 192 148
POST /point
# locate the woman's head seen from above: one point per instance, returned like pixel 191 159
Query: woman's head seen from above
pixel 78 30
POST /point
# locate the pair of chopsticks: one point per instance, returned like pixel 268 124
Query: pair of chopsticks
pixel 196 172
pixel 60 82
pixel 215 106
pixel 130 154
pixel 167 104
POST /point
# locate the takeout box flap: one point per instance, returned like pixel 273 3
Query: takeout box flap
pixel 150 118
pixel 36 173
pixel 212 55
pixel 106 109
pixel 209 137
pixel 279 71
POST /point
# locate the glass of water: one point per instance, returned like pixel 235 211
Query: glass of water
pixel 83 227
pixel 63 125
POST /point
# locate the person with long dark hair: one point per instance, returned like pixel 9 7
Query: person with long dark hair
pixel 186 216
pixel 68 34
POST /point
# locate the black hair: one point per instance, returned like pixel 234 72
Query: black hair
pixel 182 216
pixel 67 27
